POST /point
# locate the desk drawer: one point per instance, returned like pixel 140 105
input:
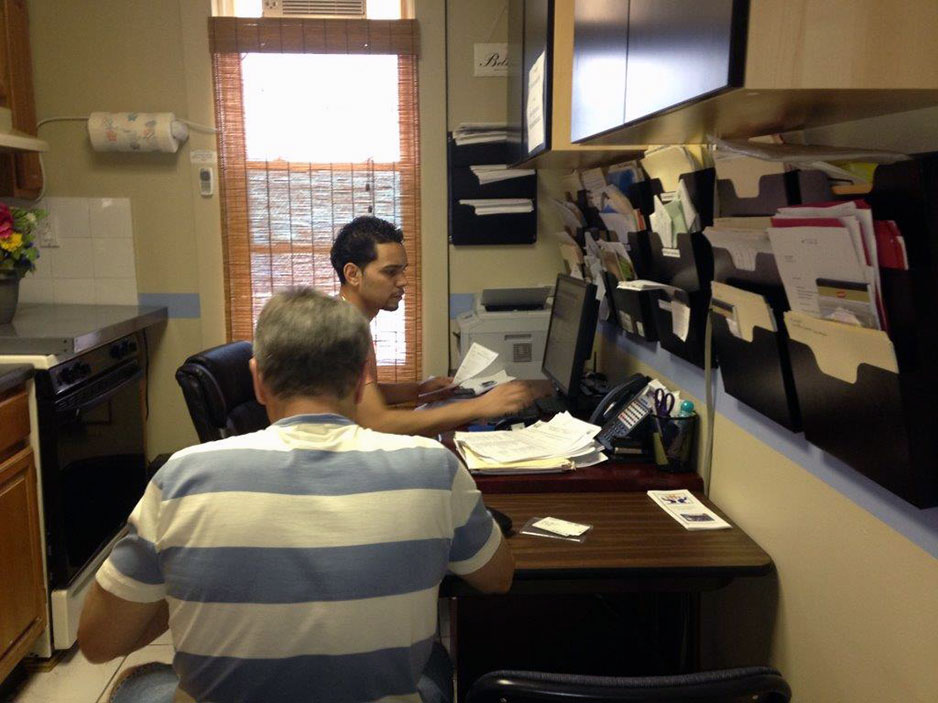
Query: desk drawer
pixel 14 418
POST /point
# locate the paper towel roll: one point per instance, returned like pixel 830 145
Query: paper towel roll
pixel 136 131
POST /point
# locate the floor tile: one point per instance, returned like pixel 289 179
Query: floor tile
pixel 73 680
pixel 151 653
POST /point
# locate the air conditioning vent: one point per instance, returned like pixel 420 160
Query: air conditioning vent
pixel 354 9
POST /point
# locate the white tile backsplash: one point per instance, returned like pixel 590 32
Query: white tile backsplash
pixel 110 217
pixel 73 258
pixel 36 290
pixel 94 262
pixel 115 291
pixel 113 258
pixel 73 291
pixel 72 216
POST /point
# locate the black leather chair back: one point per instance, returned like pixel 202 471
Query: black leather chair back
pixel 219 393
pixel 756 684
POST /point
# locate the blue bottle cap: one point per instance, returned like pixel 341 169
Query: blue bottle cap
pixel 687 408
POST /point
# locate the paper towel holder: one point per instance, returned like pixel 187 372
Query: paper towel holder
pixel 136 131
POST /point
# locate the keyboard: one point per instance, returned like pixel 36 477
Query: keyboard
pixel 550 405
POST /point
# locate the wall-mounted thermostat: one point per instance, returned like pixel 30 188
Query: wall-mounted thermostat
pixel 206 181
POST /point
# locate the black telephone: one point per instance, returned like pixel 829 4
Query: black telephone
pixel 621 410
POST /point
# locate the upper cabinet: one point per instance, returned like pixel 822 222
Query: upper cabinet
pixel 541 33
pixel 20 173
pixel 676 71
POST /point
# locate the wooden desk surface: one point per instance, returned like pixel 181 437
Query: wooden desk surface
pixel 608 476
pixel 633 545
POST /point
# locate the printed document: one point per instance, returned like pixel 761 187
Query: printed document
pixel 687 510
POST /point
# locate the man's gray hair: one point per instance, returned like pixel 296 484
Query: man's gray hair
pixel 308 344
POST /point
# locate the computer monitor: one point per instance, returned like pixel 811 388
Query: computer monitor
pixel 570 334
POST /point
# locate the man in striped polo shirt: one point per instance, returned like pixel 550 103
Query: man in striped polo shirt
pixel 301 562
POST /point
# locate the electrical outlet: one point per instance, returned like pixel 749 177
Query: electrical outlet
pixel 47 233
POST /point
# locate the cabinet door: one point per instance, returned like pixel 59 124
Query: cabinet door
pixel 680 50
pixel 22 596
pixel 600 46
pixel 20 175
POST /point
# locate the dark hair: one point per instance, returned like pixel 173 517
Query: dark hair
pixel 308 344
pixel 355 242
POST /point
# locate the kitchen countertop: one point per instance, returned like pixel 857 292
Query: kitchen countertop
pixel 67 330
pixel 12 375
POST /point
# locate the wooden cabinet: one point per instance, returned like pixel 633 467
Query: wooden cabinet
pixel 20 173
pixel 546 26
pixel 22 593
pixel 740 68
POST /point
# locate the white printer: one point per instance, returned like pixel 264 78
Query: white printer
pixel 512 322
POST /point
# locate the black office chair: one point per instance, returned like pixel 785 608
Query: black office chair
pixel 757 684
pixel 219 393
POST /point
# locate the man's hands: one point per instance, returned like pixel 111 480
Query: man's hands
pixel 505 399
pixel 434 389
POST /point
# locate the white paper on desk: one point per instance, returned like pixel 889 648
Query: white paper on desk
pixel 805 254
pixel 534 110
pixel 477 359
pixel 687 510
pixel 743 245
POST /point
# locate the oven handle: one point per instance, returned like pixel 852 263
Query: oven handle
pixel 65 408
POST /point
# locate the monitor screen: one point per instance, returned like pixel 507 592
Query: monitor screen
pixel 570 334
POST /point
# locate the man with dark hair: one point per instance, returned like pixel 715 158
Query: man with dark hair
pixel 301 562
pixel 369 258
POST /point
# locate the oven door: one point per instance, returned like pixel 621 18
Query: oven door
pixel 93 467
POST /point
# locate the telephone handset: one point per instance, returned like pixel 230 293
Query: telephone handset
pixel 622 409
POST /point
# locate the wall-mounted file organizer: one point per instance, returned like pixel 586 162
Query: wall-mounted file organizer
pixel 775 190
pixel 868 398
pixel 689 267
pixel 701 186
pixel 632 310
pixel 642 195
pixel 751 343
pixel 465 226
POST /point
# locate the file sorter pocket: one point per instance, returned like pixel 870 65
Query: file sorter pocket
pixel 753 354
pixel 681 319
pixel 635 312
pixel 857 406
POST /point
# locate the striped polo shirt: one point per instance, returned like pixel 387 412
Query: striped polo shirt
pixel 302 562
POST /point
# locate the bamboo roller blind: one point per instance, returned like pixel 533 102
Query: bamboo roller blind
pixel 279 218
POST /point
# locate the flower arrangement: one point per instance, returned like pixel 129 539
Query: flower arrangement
pixel 18 252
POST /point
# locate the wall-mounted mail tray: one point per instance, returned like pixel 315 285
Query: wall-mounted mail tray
pixel 635 311
pixel 775 190
pixel 758 373
pixel 687 265
pixel 875 419
pixel 669 322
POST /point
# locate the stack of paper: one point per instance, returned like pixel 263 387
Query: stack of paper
pixel 687 510
pixel 493 173
pixel 499 206
pixel 480 133
pixel 561 444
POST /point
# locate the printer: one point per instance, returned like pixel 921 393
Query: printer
pixel 512 322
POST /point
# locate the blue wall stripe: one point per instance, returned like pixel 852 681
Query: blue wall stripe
pixel 460 303
pixel 179 305
pixel 919 526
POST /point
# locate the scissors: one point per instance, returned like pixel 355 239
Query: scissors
pixel 664 403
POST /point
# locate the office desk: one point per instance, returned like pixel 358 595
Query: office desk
pixel 634 548
pixel 608 476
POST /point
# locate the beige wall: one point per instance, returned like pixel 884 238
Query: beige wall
pixel 483 99
pixel 116 55
pixel 850 613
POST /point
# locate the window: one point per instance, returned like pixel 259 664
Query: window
pixel 317 125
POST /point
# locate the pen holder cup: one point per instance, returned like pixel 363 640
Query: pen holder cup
pixel 674 442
